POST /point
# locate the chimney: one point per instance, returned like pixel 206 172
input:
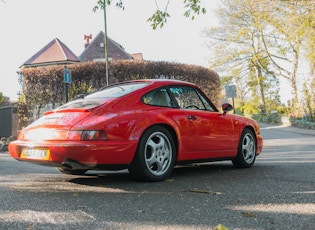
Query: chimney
pixel 87 38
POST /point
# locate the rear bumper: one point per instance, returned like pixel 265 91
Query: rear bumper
pixel 84 152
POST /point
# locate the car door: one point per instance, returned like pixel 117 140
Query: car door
pixel 212 133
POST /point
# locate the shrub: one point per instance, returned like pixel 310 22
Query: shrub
pixel 307 122
pixel 4 142
pixel 44 86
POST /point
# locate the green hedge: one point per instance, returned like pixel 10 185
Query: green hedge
pixel 306 122
pixel 272 118
pixel 44 85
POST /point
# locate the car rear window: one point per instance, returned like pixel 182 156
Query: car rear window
pixel 81 104
pixel 95 99
pixel 117 90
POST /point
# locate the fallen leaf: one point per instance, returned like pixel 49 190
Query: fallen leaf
pixel 220 227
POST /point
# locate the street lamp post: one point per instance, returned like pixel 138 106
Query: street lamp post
pixel 106 44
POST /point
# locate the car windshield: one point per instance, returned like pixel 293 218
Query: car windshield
pixel 117 90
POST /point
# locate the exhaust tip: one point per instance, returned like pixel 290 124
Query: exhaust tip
pixel 73 165
pixel 66 165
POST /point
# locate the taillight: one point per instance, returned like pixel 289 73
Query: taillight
pixel 43 134
pixel 55 135
pixel 86 135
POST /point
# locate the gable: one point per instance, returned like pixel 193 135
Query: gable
pixel 55 52
pixel 96 50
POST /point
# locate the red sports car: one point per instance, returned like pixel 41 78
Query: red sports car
pixel 145 126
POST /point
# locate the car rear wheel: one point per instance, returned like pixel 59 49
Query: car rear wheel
pixel 246 154
pixel 155 156
pixel 72 171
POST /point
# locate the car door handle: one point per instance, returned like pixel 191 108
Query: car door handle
pixel 192 117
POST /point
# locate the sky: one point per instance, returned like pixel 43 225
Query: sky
pixel 27 26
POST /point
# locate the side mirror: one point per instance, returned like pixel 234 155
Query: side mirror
pixel 226 107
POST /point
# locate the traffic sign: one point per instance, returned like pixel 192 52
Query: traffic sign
pixel 230 91
pixel 67 76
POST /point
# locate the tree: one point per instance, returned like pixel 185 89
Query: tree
pixel 240 52
pixel 310 54
pixel 309 23
pixel 266 38
pixel 160 16
pixel 308 98
pixel 289 25
pixel 4 101
pixel 1 98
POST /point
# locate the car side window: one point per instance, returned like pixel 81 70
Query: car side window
pixel 189 98
pixel 207 105
pixel 159 97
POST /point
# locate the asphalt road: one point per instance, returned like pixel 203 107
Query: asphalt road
pixel 277 193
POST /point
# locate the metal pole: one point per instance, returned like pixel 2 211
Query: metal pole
pixel 233 105
pixel 66 84
pixel 106 44
pixel 67 92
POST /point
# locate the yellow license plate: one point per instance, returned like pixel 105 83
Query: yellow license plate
pixel 35 153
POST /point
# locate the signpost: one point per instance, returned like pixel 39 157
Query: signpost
pixel 230 92
pixel 67 80
pixel 67 75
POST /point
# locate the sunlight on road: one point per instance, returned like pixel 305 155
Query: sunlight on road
pixel 45 217
pixel 41 183
pixel 288 142
pixel 78 218
pixel 301 209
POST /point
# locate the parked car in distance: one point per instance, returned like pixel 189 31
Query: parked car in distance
pixel 145 126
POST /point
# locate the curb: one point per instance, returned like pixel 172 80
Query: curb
pixel 289 128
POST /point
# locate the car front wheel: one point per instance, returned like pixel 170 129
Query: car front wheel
pixel 155 156
pixel 246 153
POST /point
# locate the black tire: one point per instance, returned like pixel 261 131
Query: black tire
pixel 72 171
pixel 246 153
pixel 155 156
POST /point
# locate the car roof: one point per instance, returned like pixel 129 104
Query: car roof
pixel 162 82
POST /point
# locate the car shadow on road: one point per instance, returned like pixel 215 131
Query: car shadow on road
pixel 181 177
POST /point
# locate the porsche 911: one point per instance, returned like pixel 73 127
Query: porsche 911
pixel 146 126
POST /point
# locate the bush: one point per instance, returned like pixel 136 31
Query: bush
pixel 306 122
pixel 272 118
pixel 44 86
pixel 4 142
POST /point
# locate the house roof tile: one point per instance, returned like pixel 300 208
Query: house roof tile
pixel 54 52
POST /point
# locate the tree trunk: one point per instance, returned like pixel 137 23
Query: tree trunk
pixel 261 88
pixel 293 80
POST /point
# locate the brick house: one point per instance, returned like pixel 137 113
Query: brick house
pixel 95 51
pixel 57 53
